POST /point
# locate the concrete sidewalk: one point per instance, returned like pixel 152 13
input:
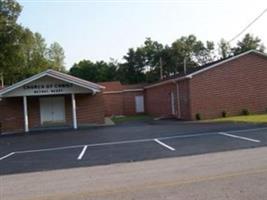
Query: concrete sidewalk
pixel 240 174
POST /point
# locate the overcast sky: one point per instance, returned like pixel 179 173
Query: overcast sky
pixel 99 30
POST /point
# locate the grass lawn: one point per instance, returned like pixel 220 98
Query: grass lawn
pixel 246 119
pixel 121 119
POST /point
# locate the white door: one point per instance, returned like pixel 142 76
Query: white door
pixel 52 110
pixel 139 104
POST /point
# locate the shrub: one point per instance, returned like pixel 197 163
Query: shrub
pixel 224 114
pixel 198 116
pixel 245 112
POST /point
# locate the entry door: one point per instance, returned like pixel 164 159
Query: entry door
pixel 139 104
pixel 52 110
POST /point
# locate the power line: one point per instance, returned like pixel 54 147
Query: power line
pixel 249 25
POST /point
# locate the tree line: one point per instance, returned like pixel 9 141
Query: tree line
pixel 24 53
pixel 152 60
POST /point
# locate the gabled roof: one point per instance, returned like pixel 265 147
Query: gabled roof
pixel 57 75
pixel 225 60
pixel 197 70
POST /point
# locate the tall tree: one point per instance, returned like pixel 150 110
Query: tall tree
pixel 98 72
pixel 22 52
pixel 132 70
pixel 224 49
pixel 249 42
pixel 56 56
pixel 10 36
pixel 193 51
pixel 35 51
pixel 141 64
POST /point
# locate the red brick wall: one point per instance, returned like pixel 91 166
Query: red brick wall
pixel 90 109
pixel 11 111
pixel 184 99
pixel 121 103
pixel 129 102
pixel 113 104
pixel 158 100
pixel 233 86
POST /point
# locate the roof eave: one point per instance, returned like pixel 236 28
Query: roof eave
pixel 174 80
pixel 228 60
pixel 93 87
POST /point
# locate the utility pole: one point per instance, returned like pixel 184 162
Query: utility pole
pixel 161 69
pixel 184 65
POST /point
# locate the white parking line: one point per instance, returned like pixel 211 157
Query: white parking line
pixel 239 137
pixel 141 140
pixel 247 130
pixel 6 156
pixel 50 149
pixel 82 145
pixel 186 136
pixel 82 153
pixel 165 145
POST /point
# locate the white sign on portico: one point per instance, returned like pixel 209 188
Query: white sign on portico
pixel 47 86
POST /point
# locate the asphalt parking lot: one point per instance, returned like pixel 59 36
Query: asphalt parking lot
pixel 129 142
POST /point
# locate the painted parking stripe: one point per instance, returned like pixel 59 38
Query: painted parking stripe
pixel 239 137
pixel 6 156
pixel 247 130
pixel 179 136
pixel 50 149
pixel 82 152
pixel 165 145
pixel 115 143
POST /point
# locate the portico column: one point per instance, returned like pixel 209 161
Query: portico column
pixel 26 119
pixel 74 115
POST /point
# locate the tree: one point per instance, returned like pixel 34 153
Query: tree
pixel 107 71
pixel 10 36
pixel 97 72
pixel 132 70
pixel 152 52
pixel 194 51
pixel 224 49
pixel 56 56
pixel 249 42
pixel 35 52
pixel 141 64
pixel 22 52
